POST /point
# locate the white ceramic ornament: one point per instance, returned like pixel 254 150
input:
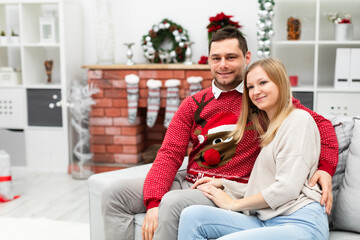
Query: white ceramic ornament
pixel 260 53
pixel 266 53
pixel 261 33
pixel 262 26
pixel 268 23
pixel 267 43
pixel 270 33
pixel 261 44
pixel 268 6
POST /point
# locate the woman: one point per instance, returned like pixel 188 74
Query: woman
pixel 281 205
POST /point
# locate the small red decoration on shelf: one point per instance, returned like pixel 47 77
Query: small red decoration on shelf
pixel 203 60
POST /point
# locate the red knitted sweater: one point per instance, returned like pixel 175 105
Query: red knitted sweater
pixel 205 122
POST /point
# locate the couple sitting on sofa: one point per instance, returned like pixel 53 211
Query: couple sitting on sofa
pixel 281 193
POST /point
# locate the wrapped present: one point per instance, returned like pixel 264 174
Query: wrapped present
pixel 5 178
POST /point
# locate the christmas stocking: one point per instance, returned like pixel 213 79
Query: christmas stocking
pixel 172 100
pixel 153 101
pixel 195 84
pixel 132 86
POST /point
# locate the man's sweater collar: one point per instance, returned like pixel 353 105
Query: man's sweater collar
pixel 217 91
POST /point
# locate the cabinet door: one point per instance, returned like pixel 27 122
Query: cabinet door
pixel 346 104
pixel 306 99
pixel 42 109
pixel 12 108
pixel 46 149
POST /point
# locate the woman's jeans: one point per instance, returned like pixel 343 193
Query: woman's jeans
pixel 204 222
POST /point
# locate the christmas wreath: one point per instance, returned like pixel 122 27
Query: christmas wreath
pixel 165 30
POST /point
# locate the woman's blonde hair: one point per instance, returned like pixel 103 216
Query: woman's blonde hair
pixel 267 129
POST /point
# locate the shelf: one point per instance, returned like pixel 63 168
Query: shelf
pixel 305 88
pixel 12 87
pixel 322 42
pixel 55 45
pixel 300 42
pixel 337 90
pixel 46 132
pixel 313 57
pixel 43 86
pixel 336 43
pixel 149 66
pixel 11 45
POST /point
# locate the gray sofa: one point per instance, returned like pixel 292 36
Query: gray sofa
pixel 344 220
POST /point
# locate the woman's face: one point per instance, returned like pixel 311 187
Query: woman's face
pixel 263 92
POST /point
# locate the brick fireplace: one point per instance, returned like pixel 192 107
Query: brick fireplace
pixel 115 142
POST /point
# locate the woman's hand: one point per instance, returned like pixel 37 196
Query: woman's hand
pixel 218 196
pixel 208 181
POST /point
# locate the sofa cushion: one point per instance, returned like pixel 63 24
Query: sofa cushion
pixel 343 127
pixel 347 207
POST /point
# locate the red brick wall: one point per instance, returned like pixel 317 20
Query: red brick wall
pixel 116 143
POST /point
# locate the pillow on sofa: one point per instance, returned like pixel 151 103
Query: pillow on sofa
pixel 347 207
pixel 343 127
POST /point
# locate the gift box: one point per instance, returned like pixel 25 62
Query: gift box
pixel 10 76
pixel 5 177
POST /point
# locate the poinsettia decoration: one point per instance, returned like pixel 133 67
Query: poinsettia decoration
pixel 203 60
pixel 339 18
pixel 219 21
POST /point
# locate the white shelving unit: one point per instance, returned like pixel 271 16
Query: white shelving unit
pixel 45 129
pixel 312 58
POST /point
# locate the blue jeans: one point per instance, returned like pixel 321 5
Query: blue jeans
pixel 204 222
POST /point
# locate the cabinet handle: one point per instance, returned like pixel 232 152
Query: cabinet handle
pixel 51 105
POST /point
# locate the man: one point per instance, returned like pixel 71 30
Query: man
pixel 205 119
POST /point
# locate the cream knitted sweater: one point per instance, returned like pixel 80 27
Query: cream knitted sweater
pixel 283 169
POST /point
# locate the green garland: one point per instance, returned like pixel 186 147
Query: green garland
pixel 166 29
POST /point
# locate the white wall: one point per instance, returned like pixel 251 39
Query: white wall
pixel 134 18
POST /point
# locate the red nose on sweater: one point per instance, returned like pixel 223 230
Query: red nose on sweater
pixel 212 157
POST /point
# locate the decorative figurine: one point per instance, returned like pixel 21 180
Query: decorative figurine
pixel 188 54
pixel 293 28
pixel 129 54
pixel 48 67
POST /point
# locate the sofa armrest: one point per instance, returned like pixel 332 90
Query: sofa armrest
pixel 96 184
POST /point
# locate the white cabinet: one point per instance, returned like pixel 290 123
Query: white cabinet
pixel 337 103
pixel 313 57
pixel 46 125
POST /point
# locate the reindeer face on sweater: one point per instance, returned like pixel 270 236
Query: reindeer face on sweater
pixel 219 149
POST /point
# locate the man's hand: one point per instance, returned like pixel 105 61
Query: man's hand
pixel 150 223
pixel 208 181
pixel 324 179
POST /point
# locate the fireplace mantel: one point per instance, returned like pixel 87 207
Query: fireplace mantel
pixel 149 66
pixel 114 142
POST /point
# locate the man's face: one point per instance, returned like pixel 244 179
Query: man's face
pixel 227 63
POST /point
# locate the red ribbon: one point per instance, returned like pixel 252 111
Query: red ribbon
pixel 3 200
pixel 5 178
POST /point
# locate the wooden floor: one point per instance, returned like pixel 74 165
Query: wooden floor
pixel 55 196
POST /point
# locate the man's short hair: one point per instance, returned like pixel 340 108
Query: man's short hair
pixel 228 33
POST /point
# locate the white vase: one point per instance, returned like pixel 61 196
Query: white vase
pixel 343 31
